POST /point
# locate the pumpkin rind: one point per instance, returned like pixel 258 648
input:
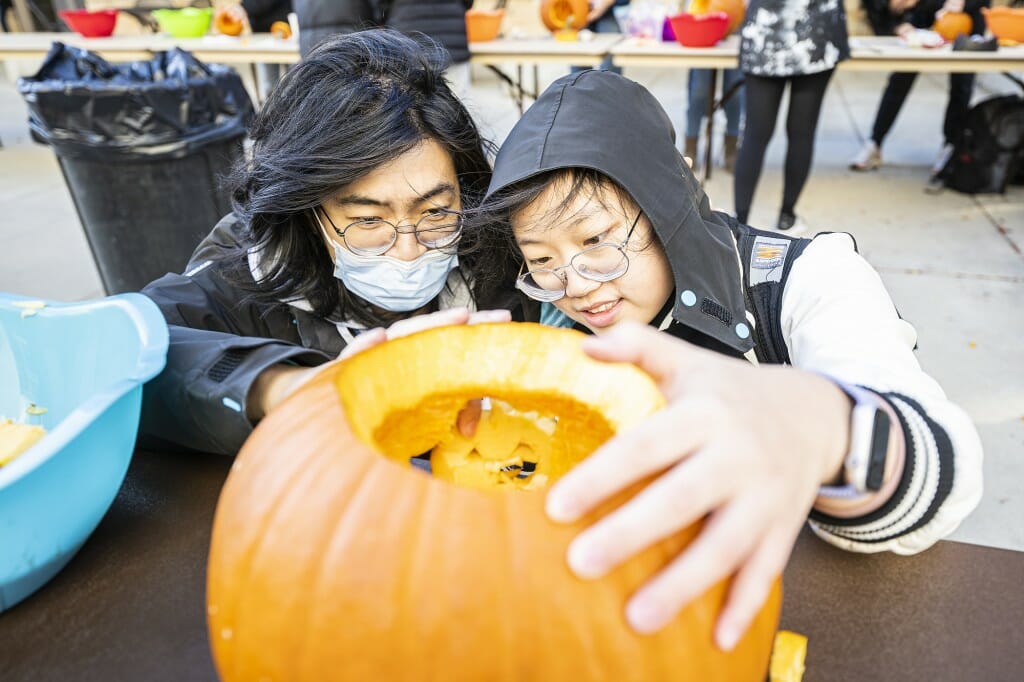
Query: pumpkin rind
pixel 330 561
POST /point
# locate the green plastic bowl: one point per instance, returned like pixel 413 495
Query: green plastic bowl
pixel 189 22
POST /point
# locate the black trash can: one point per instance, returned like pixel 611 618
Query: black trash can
pixel 143 148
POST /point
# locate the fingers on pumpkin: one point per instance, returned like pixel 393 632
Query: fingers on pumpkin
pixel 419 323
pixel 725 541
pixel 364 341
pixel 489 316
pixel 660 355
pixel 670 503
pixel 651 446
pixel 752 586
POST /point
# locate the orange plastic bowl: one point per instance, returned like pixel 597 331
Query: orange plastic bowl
pixel 483 25
pixel 703 30
pixel 98 24
pixel 1005 23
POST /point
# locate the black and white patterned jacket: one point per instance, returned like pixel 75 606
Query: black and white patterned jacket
pixel 783 38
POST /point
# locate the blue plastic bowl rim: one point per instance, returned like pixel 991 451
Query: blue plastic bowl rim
pixel 153 336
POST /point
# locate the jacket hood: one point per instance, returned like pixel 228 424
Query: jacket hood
pixel 602 121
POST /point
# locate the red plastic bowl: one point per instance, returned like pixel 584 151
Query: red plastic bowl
pixel 96 24
pixel 702 30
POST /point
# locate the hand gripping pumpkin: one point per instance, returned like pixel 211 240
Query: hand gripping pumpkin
pixel 333 559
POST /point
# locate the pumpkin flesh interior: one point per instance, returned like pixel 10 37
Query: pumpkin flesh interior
pixel 551 406
pixel 522 442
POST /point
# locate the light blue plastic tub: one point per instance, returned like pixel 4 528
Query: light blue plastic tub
pixel 85 363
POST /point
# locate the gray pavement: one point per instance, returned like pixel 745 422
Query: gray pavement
pixel 952 262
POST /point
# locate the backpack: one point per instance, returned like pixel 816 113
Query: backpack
pixel 989 153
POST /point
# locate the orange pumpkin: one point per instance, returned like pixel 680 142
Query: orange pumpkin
pixel 225 22
pixel 333 559
pixel 952 24
pixel 281 29
pixel 559 15
pixel 734 8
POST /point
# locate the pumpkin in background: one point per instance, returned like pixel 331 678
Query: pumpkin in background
pixel 555 14
pixel 225 22
pixel 952 24
pixel 281 29
pixel 333 559
pixel 736 10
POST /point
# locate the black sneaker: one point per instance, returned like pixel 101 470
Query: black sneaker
pixel 790 224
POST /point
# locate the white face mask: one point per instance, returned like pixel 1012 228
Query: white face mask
pixel 389 283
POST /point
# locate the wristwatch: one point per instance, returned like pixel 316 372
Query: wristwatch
pixel 864 465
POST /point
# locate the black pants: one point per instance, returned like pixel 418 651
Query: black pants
pixel 960 87
pixel 764 96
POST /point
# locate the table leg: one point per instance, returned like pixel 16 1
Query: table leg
pixel 709 127
pixel 519 88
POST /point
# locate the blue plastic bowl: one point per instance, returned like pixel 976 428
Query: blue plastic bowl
pixel 85 363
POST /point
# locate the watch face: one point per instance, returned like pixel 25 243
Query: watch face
pixel 879 449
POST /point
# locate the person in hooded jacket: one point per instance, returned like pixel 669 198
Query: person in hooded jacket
pixel 347 220
pixel 791 384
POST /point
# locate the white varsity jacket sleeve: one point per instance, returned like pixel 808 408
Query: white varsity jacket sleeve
pixel 837 318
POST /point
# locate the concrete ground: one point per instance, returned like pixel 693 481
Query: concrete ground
pixel 953 262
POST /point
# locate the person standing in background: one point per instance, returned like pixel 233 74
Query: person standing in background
pixel 442 20
pixel 601 19
pixel 319 19
pixel 445 22
pixel 698 86
pixel 786 42
pixel 900 18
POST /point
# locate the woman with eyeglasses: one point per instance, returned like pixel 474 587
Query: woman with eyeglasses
pixel 791 385
pixel 347 229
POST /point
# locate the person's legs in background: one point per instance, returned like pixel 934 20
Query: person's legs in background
pixel 961 87
pixel 606 24
pixel 763 95
pixel 697 83
pixel 268 75
pixel 895 93
pixel 806 93
pixel 733 115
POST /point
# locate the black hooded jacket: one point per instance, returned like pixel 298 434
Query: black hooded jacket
pixel 642 158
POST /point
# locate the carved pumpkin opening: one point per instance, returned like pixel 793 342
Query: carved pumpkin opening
pixel 535 425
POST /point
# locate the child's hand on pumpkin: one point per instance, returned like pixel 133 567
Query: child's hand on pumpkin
pixel 278 382
pixel 745 446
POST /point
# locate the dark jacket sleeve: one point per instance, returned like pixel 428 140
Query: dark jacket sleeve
pixel 319 19
pixel 218 346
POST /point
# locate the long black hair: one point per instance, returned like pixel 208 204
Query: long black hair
pixel 357 101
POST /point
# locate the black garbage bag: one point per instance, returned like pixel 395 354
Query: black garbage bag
pixel 165 107
pixel 144 148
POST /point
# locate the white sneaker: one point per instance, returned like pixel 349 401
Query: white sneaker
pixel 935 183
pixel 943 158
pixel 868 159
